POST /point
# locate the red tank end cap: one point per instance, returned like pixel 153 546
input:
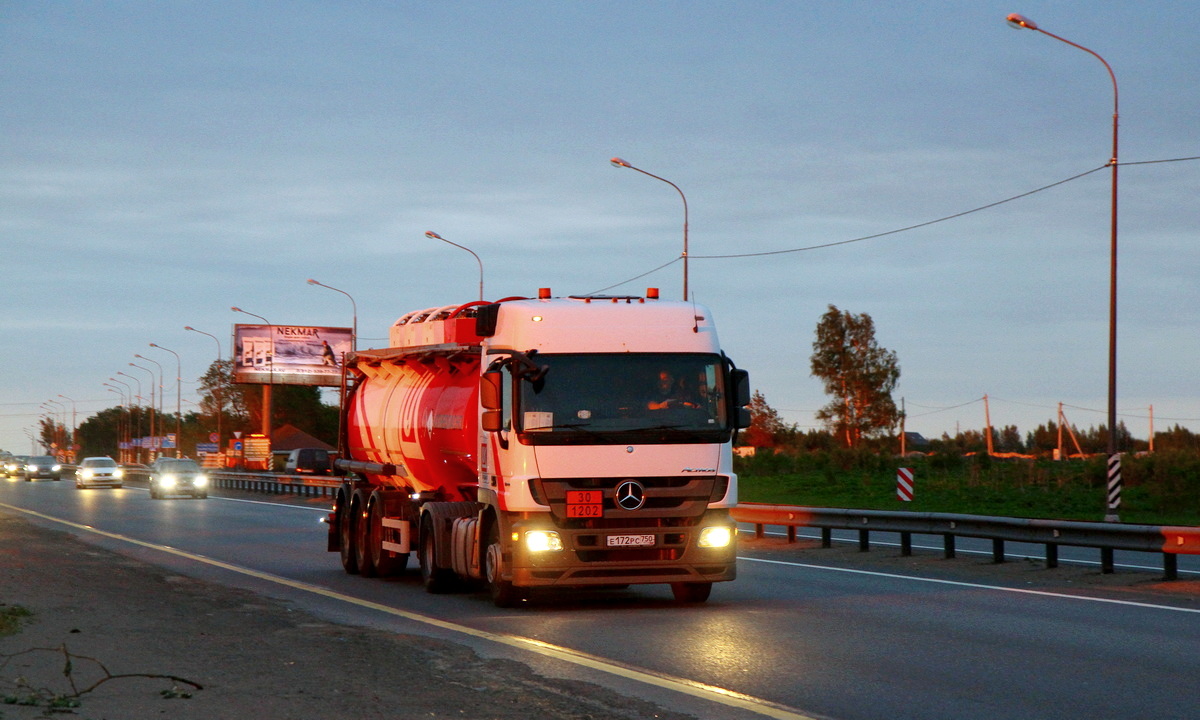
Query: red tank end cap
pixel 651 293
pixel 543 293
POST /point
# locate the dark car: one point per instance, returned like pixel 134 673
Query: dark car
pixel 42 466
pixel 177 476
pixel 308 461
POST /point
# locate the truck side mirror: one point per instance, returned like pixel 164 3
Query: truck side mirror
pixel 491 397
pixel 490 391
pixel 740 380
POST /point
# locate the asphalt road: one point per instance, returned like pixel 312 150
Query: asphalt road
pixel 803 632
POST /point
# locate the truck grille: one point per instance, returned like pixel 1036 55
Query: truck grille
pixel 669 501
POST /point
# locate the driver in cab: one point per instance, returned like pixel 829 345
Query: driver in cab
pixel 669 393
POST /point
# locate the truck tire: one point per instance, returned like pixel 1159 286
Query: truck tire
pixel 386 563
pixel 361 530
pixel 504 595
pixel 346 535
pixel 436 579
pixel 691 593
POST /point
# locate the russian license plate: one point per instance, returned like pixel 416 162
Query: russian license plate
pixel 629 540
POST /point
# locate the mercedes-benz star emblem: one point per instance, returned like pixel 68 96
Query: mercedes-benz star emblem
pixel 631 495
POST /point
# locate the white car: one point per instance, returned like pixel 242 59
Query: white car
pixel 95 471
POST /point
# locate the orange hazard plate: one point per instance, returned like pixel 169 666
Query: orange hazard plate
pixel 588 510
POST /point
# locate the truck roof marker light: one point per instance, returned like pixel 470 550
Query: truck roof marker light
pixel 543 293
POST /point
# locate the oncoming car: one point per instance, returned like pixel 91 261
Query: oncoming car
pixel 14 464
pixel 42 466
pixel 95 471
pixel 175 476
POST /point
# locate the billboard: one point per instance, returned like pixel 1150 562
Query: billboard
pixel 290 354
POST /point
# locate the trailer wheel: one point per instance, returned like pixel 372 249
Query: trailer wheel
pixel 689 593
pixel 435 579
pixel 504 595
pixel 386 562
pixel 346 534
pixel 362 534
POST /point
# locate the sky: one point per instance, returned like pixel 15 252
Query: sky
pixel 161 162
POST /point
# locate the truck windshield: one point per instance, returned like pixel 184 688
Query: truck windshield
pixel 624 398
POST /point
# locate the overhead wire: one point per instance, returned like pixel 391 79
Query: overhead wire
pixel 897 230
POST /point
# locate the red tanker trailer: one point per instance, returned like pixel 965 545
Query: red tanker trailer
pixel 582 441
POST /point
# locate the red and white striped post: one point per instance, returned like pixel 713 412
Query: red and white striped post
pixel 904 484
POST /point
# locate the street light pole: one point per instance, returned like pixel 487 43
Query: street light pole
pixel 140 399
pixel 128 392
pixel 217 388
pixel 353 305
pixel 152 435
pixel 618 162
pixel 266 401
pixel 1113 499
pixel 121 421
pixel 178 398
pixel 434 236
pixel 74 430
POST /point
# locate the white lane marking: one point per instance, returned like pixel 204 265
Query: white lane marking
pixel 710 693
pixel 978 586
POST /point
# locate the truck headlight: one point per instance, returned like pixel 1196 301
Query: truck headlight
pixel 717 536
pixel 542 541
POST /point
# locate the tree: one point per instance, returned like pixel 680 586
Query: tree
pixel 766 429
pixel 857 373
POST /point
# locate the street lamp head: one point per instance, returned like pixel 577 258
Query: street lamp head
pixel 618 162
pixel 1020 21
pixel 313 282
pixel 153 345
pixel 237 309
pixel 434 236
pixel 189 327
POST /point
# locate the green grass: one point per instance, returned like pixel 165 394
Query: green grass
pixel 1161 489
pixel 11 617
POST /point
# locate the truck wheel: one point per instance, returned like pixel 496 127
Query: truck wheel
pixel 504 595
pixel 435 579
pixel 346 535
pixel 362 535
pixel 386 562
pixel 689 593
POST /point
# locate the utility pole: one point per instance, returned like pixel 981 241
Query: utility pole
pixel 987 417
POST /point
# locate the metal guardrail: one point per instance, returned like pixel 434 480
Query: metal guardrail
pixel 1170 541
pixel 272 483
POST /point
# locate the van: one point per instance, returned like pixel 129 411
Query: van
pixel 307 461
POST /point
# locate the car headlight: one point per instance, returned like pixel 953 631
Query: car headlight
pixel 118 473
pixel 56 468
pixel 201 481
pixel 168 481
pixel 542 541
pixel 87 473
pixel 717 536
